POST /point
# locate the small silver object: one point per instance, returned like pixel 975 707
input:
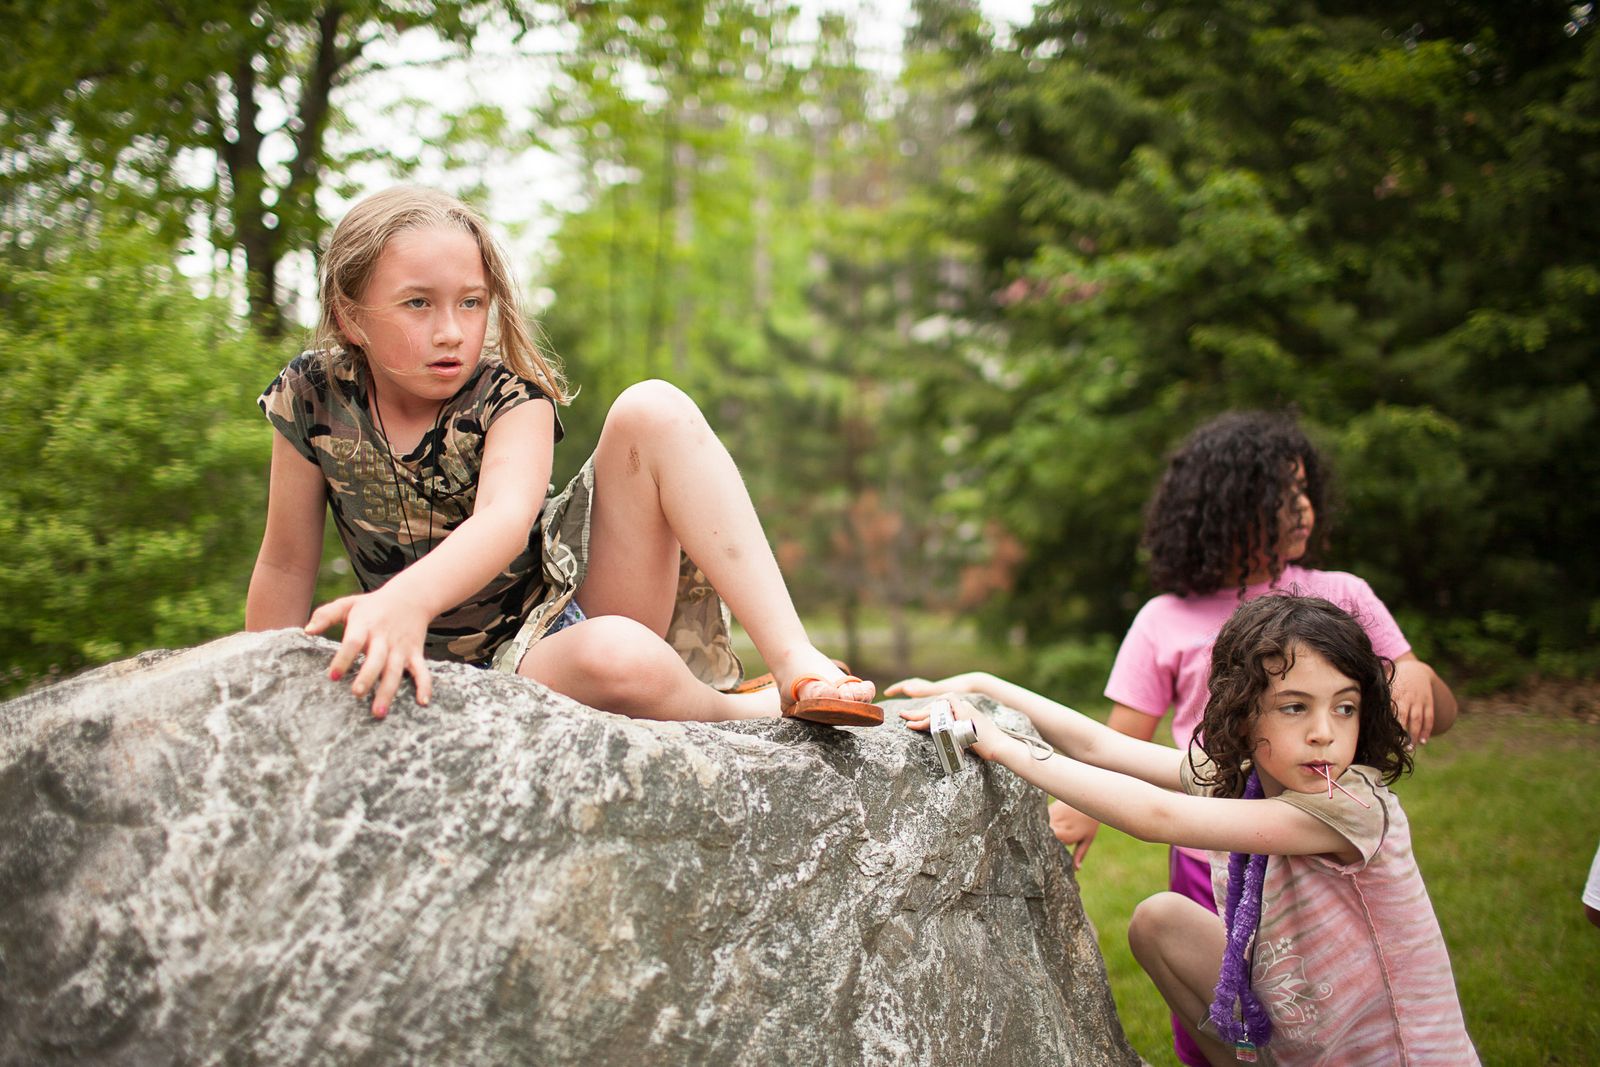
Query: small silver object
pixel 951 736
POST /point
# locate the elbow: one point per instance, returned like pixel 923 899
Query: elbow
pixel 1444 715
pixel 278 598
pixel 529 516
pixel 516 515
pixel 1445 705
pixel 255 601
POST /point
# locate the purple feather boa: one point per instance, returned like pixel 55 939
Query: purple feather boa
pixel 1242 919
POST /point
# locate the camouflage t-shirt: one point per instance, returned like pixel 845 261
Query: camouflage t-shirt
pixel 389 509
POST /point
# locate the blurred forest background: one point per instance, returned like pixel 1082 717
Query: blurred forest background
pixel 949 311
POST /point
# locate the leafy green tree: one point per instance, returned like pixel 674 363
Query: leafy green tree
pixel 663 269
pixel 1374 213
pixel 746 233
pixel 135 461
pixel 195 114
pixel 889 295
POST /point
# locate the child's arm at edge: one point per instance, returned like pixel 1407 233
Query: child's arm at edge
pixel 1078 735
pixel 285 576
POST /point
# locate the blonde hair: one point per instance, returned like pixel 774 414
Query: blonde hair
pixel 352 256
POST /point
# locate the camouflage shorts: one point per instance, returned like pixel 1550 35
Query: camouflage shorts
pixel 700 631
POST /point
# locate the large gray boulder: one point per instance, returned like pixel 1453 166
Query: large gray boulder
pixel 215 857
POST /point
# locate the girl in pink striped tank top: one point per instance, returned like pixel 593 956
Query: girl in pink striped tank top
pixel 1327 950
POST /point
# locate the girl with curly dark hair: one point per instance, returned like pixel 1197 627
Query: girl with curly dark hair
pixel 1236 505
pixel 1328 946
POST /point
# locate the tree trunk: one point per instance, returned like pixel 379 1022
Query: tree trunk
pixel 896 591
pixel 293 221
pixel 683 237
pixel 299 220
pixel 664 211
pixel 246 184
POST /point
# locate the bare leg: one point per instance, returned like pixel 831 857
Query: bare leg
pixel 1180 945
pixel 663 481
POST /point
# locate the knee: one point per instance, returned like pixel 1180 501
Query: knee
pixel 1151 924
pixel 654 406
pixel 624 663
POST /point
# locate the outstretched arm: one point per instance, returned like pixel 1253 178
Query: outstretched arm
pixel 285 576
pixel 1078 735
pixel 1152 813
pixel 390 624
pixel 1424 703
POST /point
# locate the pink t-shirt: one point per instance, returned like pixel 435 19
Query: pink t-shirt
pixel 1165 661
pixel 1349 960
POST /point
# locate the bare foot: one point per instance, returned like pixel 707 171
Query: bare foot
pixel 819 677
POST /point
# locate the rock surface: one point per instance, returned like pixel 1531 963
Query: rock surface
pixel 215 857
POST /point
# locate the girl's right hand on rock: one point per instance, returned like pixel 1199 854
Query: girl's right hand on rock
pixel 389 632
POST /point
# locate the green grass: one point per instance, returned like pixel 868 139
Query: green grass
pixel 1505 814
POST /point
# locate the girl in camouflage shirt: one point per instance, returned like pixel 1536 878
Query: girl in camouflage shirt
pixel 426 419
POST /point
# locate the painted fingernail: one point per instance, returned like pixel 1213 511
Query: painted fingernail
pixel 378 711
pixel 335 674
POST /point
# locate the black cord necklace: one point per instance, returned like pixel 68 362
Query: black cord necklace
pixel 394 473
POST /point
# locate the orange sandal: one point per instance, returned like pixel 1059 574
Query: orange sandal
pixel 768 680
pixel 752 685
pixel 830 711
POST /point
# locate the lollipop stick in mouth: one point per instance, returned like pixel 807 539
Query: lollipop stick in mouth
pixel 1322 769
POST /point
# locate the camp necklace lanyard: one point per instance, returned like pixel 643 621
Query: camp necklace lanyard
pixel 394 473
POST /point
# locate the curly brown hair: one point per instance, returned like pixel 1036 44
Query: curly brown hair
pixel 1258 643
pixel 1217 505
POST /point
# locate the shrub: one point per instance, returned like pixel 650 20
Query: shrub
pixel 135 461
